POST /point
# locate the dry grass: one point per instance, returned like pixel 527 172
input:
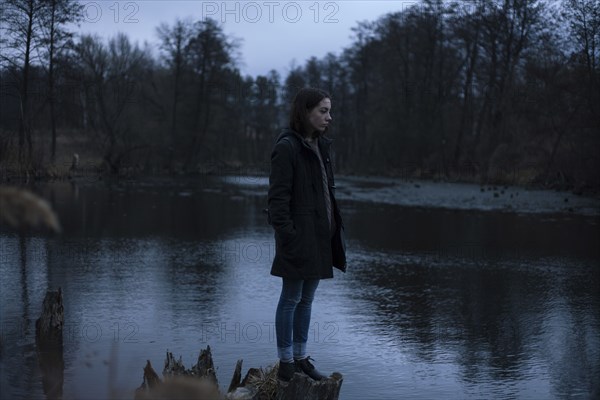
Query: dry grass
pixel 21 209
pixel 265 381
pixel 68 144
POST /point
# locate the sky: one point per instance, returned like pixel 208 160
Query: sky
pixel 272 34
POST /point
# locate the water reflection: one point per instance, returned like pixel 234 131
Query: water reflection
pixel 24 275
pixel 497 323
pixel 436 303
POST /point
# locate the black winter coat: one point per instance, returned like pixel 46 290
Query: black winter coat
pixel 304 246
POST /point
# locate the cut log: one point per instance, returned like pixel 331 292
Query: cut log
pixel 49 344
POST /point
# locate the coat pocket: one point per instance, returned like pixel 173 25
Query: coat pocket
pixel 300 250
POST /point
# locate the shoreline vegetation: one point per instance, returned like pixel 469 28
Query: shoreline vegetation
pixel 93 169
pixel 463 187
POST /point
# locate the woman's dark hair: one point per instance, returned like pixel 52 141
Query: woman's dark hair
pixel 306 99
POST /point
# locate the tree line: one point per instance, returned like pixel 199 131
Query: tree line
pixel 488 90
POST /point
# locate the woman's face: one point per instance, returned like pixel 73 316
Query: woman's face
pixel 319 117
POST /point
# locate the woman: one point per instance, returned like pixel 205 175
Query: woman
pixel 307 222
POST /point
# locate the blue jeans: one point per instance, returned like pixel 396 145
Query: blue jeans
pixel 292 318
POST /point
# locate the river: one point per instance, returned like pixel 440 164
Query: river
pixel 451 291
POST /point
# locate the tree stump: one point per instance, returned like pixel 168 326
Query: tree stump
pixel 205 366
pixel 150 377
pixel 174 367
pixel 236 378
pixel 303 387
pixel 49 344
pixel 262 384
pixel 200 382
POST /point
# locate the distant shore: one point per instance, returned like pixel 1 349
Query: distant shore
pixel 96 172
pixel 401 189
pixel 467 196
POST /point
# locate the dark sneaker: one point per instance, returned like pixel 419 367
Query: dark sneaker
pixel 306 366
pixel 286 370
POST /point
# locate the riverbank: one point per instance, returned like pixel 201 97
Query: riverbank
pixel 459 193
pixel 73 168
pixel 446 195
pixel 466 196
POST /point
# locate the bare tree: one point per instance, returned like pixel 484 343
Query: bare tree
pixel 508 30
pixel 583 17
pixel 360 59
pixel 466 27
pixel 18 39
pixel 111 75
pixel 174 45
pixel 55 37
pixel 210 54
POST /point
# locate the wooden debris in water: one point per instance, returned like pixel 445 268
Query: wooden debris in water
pixel 49 344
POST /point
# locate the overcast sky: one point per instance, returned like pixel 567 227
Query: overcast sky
pixel 272 33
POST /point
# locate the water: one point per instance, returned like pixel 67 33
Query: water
pixel 437 303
